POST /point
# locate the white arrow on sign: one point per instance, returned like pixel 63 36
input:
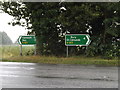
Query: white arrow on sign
pixel 88 41
pixel 19 40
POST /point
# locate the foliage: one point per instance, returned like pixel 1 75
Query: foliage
pixel 51 21
pixel 62 60
pixel 107 40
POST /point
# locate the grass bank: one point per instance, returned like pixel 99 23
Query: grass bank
pixel 62 60
pixel 11 54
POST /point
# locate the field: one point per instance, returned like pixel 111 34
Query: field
pixel 11 51
pixel 12 54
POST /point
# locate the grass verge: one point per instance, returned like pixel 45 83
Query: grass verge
pixel 62 60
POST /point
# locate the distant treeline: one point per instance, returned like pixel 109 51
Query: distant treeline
pixel 5 39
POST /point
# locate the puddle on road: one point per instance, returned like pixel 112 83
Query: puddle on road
pixel 102 79
pixel 16 63
pixel 9 76
pixel 56 77
pixel 77 78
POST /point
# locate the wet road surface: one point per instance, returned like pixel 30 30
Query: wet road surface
pixel 32 75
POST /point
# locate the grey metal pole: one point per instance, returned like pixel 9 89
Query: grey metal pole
pixel 20 50
pixel 67 52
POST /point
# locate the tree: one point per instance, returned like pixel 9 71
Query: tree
pixel 43 20
pixel 77 17
pixel 100 20
pixel 105 31
pixel 51 21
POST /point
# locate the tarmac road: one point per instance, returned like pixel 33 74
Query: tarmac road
pixel 33 75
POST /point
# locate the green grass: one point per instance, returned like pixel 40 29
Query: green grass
pixel 9 51
pixel 11 54
pixel 62 60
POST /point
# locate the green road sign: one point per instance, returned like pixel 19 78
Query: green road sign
pixel 27 40
pixel 77 40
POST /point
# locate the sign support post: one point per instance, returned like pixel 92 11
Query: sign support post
pixel 20 50
pixel 67 52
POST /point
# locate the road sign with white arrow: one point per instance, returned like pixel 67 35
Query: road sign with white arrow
pixel 27 40
pixel 77 40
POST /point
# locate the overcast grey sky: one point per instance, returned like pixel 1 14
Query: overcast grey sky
pixel 12 31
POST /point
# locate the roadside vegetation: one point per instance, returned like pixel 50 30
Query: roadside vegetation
pixel 11 54
pixel 50 21
pixel 9 51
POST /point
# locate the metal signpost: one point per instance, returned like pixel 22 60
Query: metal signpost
pixel 26 40
pixel 77 40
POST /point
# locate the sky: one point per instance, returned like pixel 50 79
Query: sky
pixel 12 31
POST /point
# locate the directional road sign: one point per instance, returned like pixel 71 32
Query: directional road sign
pixel 77 40
pixel 27 40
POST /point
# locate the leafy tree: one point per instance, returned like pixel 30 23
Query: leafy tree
pixel 100 20
pixel 105 31
pixel 42 19
pixel 51 21
pixel 77 17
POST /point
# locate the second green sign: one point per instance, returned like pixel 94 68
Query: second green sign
pixel 77 40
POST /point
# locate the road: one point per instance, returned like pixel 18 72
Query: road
pixel 33 75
